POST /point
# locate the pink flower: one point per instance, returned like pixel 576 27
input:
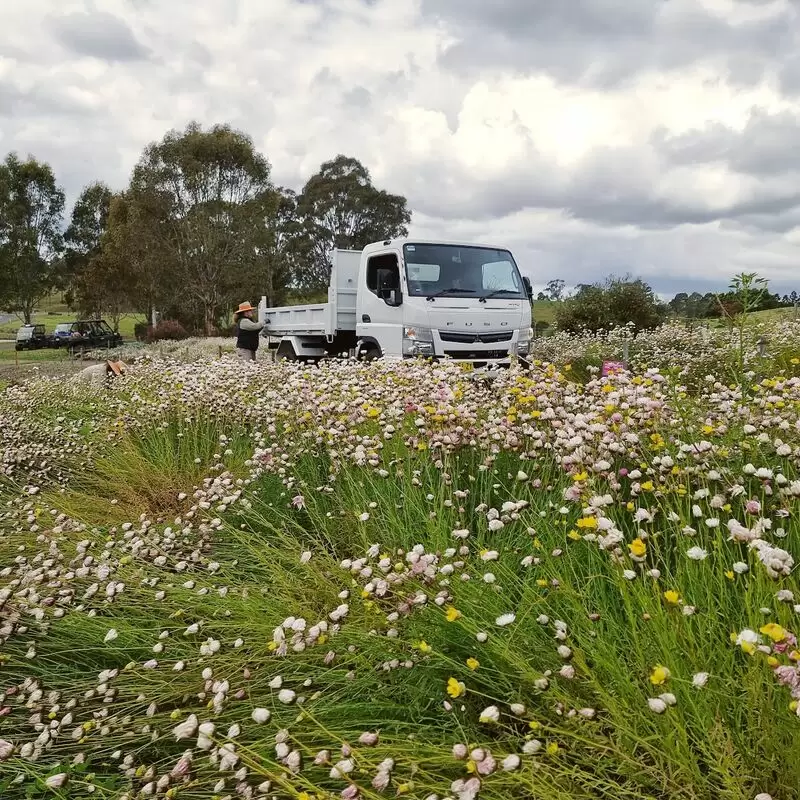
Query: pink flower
pixel 299 501
pixel 753 507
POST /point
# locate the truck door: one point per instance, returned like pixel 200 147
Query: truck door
pixel 379 314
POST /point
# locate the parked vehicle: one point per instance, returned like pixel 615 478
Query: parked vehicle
pixel 31 337
pixel 406 298
pixel 88 334
pixel 61 334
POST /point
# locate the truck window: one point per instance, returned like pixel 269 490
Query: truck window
pixel 500 275
pixel 383 272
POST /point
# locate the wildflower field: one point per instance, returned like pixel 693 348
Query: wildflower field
pixel 371 581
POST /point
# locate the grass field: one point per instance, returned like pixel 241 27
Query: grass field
pixel 395 580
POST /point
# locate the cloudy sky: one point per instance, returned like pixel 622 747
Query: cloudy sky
pixel 657 137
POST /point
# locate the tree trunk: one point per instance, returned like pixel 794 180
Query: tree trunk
pixel 208 319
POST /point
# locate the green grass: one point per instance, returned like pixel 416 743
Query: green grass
pixel 432 576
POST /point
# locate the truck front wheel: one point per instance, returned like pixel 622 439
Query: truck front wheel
pixel 369 352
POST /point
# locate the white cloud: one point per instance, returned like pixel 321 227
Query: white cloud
pixel 649 140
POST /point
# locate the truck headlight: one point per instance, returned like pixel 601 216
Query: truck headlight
pixel 524 342
pixel 417 341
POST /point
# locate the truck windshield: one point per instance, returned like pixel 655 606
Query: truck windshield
pixel 439 270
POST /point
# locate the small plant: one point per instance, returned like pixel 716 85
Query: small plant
pixel 140 330
pixel 748 291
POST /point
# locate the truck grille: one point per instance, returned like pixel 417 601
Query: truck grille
pixel 473 338
pixel 476 355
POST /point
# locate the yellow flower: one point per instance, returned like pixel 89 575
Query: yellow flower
pixel 587 522
pixel 541 582
pixel 581 476
pixel 424 647
pixel 574 535
pixel 473 663
pixel 638 548
pixel 455 688
pixel 659 676
pixel 553 749
pixel 772 661
pixel 630 506
pixel 774 631
pixel 672 597
pixel 647 486
pixel 452 614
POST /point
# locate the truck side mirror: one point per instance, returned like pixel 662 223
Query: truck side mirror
pixel 528 288
pixel 393 298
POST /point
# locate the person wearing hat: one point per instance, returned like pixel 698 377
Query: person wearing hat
pixel 99 374
pixel 247 332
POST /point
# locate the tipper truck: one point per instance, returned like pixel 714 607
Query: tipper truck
pixel 407 298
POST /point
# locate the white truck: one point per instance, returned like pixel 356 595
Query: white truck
pixel 408 298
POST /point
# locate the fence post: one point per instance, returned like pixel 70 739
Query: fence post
pixel 220 351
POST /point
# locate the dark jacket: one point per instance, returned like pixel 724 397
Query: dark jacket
pixel 247 333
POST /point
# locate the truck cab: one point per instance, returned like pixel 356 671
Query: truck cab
pixel 411 298
pixel 442 300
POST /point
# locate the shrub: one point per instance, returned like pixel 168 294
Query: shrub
pixel 167 329
pixel 140 330
pixel 616 303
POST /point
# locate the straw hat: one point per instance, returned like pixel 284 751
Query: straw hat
pixel 244 308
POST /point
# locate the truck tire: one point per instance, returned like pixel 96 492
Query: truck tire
pixel 369 352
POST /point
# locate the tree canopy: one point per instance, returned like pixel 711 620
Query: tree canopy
pixel 31 239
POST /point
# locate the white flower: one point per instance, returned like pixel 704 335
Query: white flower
pixel 657 704
pixel 740 567
pixel 186 729
pixel 287 696
pixel 56 781
pixel 496 525
pixel 763 796
pixel 700 679
pixel 228 758
pixel 6 749
pixel 490 555
pixel 511 763
pixel 504 620
pixel 276 682
pixel 567 671
pixel 564 651
pixel 111 635
pixel 305 557
pixel 629 575
pixel 205 732
pixel 668 698
pixel 342 768
pixel 364 517
pixel 531 747
pixel 490 714
pixel 517 709
pixel 260 715
pixel 522 476
pixel 697 553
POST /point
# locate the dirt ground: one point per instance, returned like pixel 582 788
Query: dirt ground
pixel 57 366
